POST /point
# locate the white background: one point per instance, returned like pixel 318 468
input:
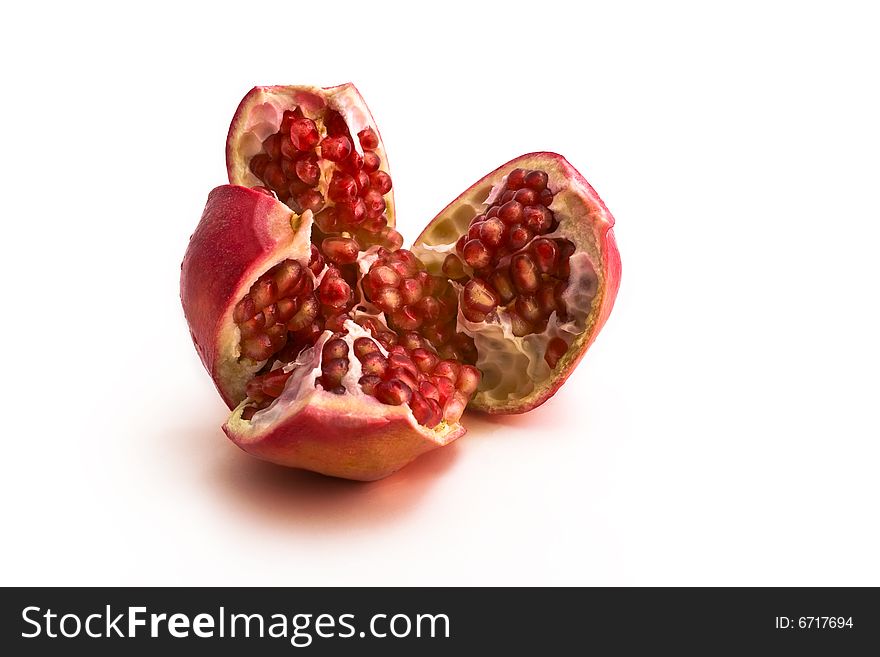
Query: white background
pixel 722 430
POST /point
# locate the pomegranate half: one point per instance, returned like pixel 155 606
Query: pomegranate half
pixel 532 249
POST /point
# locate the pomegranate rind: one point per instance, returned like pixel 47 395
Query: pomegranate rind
pixel 259 115
pixel 584 219
pixel 339 436
pixel 242 233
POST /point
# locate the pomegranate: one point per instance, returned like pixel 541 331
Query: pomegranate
pixel 342 353
pixel 531 251
pixel 316 149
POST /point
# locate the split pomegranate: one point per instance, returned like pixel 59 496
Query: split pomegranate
pixel 342 353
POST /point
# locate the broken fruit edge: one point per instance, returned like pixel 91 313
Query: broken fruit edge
pixel 322 434
pixel 595 226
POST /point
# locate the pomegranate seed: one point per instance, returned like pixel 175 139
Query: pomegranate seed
pixel 410 291
pixel 404 376
pixel 387 299
pixel 404 263
pixel 398 349
pixel 528 308
pixel 516 179
pixel 524 273
pixel 545 254
pixel 364 346
pixel 362 180
pixel 310 199
pixel 342 188
pixel 381 181
pixel 374 364
pixel 536 180
pixel 407 318
pixel 391 238
pixel 445 387
pixel 272 146
pixel 454 407
pixel 538 218
pixel 371 162
pixel 273 382
pixel 479 297
pixel 493 232
pixel 316 261
pixel 375 225
pixel 369 383
pixel 252 326
pixel 526 196
pixel 306 314
pixel 510 213
pixel 257 347
pixel 453 267
pixel 459 244
pixel 304 134
pixel 263 293
pixel 429 391
pixel 430 309
pixel 285 308
pixel 424 359
pixel 335 149
pixel 333 371
pixel 393 392
pixel 448 369
pixel 258 164
pixel 437 334
pixel 503 285
pixel 374 203
pixel 468 380
pixel 335 124
pixel 341 250
pixel 334 291
pixel 288 150
pixel 287 277
pixel 244 310
pixel 335 348
pixel 411 340
pixel 274 176
pixel 327 220
pixel 519 326
pixel 546 299
pixel 383 276
pixel 350 213
pixel 519 237
pixel 270 315
pixel 426 411
pixel 307 169
pixel 507 196
pixel 403 362
pixel 474 229
pixel 556 348
pixel 493 212
pixel 476 255
pixel 545 197
pixel 368 139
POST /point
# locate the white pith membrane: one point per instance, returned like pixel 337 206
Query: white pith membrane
pixel 262 118
pixel 513 367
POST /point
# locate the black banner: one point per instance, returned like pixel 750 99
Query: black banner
pixel 279 621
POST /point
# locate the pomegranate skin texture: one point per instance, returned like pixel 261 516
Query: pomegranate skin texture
pixel 241 234
pixel 515 377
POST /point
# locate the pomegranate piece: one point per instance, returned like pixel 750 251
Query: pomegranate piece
pixel 535 292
